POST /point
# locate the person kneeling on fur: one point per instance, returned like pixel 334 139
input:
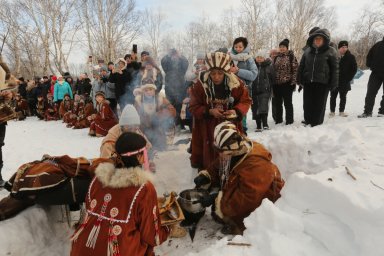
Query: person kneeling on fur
pixel 247 176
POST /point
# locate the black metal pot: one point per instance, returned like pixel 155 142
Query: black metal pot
pixel 192 209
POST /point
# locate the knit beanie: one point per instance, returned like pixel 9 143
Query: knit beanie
pixel 200 56
pixel 129 116
pixel 342 43
pixel 285 42
pixel 262 53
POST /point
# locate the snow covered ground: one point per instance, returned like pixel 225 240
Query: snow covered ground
pixel 322 211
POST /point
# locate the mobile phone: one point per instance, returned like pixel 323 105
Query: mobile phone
pixel 134 48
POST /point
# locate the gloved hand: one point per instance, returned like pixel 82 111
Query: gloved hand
pixel 202 179
pixel 208 200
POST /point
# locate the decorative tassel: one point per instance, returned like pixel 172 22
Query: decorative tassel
pixel 155 221
pixel 78 232
pixel 146 162
pixel 92 238
pixel 76 235
pixel 113 243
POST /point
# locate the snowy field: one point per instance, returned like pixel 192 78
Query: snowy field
pixel 323 210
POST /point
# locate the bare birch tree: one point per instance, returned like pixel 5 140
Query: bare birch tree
pixel 153 28
pixel 110 27
pixel 297 17
pixel 367 31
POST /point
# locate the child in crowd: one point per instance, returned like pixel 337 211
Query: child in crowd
pixel 21 107
pixel 185 115
pixel 52 109
pixel 104 119
pixel 262 90
pixel 71 116
pixel 40 107
pixel 86 109
pixel 65 106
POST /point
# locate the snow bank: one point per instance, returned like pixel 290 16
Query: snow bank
pixel 323 210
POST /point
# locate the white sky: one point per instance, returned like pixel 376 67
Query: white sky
pixel 181 12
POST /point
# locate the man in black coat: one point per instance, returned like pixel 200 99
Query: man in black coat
pixel 318 74
pixel 83 85
pixel 347 70
pixel 375 61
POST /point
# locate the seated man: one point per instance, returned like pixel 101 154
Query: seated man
pixel 247 176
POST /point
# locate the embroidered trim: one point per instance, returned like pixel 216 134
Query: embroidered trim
pixel 117 220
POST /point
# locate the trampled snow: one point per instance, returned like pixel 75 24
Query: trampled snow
pixel 322 211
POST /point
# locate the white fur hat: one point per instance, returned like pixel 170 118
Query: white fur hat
pixel 129 116
pixel 145 86
pixel 262 53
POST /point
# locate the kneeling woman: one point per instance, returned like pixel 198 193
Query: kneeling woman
pixel 122 214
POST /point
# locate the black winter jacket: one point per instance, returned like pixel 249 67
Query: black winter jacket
pixel 375 57
pixel 347 68
pixel 83 86
pixel 120 80
pixel 265 79
pixel 319 65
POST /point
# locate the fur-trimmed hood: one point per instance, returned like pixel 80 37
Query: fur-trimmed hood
pixel 243 56
pixel 160 99
pixel 110 176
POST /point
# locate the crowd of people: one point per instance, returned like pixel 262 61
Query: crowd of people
pixel 213 100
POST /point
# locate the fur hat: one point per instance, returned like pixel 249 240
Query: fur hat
pixel 144 53
pixel 100 93
pixel 285 42
pixel 137 91
pixel 129 142
pixel 104 68
pixel 342 43
pixel 262 53
pixel 150 86
pixel 218 60
pixel 200 55
pixel 229 141
pixel 129 116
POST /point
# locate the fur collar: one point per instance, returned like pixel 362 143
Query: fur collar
pixel 113 177
pixel 243 56
pixel 160 99
pixel 233 81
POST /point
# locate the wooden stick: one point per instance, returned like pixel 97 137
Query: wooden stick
pixel 349 173
pixel 238 244
pixel 377 185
